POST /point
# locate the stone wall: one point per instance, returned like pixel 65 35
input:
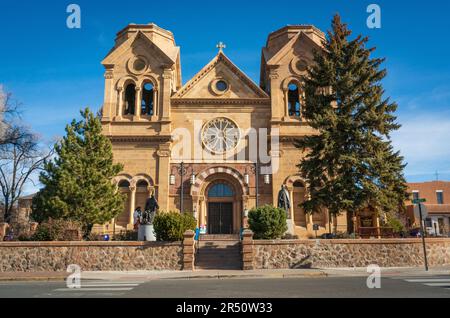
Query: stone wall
pixel 90 256
pixel 349 253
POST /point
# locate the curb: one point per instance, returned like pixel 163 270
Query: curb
pixel 247 276
pixel 181 277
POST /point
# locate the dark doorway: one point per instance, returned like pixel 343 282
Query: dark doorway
pixel 220 218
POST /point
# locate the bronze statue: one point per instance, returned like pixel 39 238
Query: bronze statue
pixel 284 201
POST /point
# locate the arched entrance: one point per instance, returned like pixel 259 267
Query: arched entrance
pixel 220 200
pixel 220 204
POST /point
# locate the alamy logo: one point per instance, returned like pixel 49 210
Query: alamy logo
pixel 374 279
pixel 73 281
pixel 74 19
pixel 374 19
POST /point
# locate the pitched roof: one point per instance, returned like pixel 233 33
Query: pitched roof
pixel 221 58
pixel 169 57
pixel 275 59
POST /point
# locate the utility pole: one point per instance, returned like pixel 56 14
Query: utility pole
pixel 419 202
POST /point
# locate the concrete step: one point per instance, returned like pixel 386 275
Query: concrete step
pixel 218 244
pixel 220 253
pixel 219 237
pixel 218 265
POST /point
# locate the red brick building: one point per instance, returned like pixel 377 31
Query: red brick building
pixel 437 195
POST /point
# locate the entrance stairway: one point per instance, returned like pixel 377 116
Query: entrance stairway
pixel 218 252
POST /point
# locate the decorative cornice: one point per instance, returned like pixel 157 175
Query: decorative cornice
pixel 163 153
pixel 153 139
pixel 109 74
pixel 220 101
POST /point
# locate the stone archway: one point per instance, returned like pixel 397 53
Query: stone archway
pixel 203 202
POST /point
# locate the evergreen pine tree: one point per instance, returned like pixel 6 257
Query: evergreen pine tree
pixel 350 164
pixel 78 181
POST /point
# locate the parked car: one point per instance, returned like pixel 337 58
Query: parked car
pixel 415 232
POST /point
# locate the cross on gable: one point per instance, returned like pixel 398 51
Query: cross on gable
pixel 221 46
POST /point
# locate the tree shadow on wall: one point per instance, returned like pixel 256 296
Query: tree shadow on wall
pixel 304 263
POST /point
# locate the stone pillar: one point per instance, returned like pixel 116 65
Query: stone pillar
pixel 120 93
pixel 132 204
pixel 155 104
pixel 276 95
pixel 165 102
pixel 108 110
pixel 3 230
pixel 163 177
pixel 309 222
pixel 189 251
pixel 247 250
pixel 137 111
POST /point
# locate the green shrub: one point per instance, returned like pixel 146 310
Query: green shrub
pixel 267 222
pixel 56 230
pixel 170 226
pixel 395 224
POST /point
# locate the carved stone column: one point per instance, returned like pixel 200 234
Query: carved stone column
pixel 132 204
pixel 165 103
pixel 137 112
pixel 119 103
pixel 276 94
pixel 108 103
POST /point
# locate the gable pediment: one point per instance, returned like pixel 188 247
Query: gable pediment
pixel 300 45
pixel 204 85
pixel 140 44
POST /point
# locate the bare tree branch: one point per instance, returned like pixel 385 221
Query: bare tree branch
pixel 21 154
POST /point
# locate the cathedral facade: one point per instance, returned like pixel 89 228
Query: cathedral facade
pixel 218 145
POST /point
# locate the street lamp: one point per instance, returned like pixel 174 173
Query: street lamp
pixel 182 171
pixel 254 169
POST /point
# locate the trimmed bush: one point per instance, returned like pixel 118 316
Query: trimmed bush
pixel 267 222
pixel 170 226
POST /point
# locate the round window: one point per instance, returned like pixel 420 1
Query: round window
pixel 139 65
pixel 302 65
pixel 220 135
pixel 221 86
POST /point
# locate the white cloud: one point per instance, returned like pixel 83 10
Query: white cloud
pixel 424 141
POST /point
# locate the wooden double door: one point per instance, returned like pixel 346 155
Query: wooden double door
pixel 220 218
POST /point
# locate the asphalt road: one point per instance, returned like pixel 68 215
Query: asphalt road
pixel 341 287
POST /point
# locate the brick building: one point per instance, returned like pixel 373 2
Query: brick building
pixel 437 195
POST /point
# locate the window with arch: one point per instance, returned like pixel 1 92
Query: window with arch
pixel 124 184
pixel 294 105
pixel 220 190
pixel 148 99
pixel 142 184
pixel 130 99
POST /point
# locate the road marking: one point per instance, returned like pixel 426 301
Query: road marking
pixel 109 285
pixel 92 289
pixel 438 284
pixel 102 286
pixel 428 280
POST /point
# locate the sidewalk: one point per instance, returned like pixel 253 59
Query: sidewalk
pixel 224 274
pixel 161 275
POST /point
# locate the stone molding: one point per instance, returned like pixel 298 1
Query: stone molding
pixel 220 101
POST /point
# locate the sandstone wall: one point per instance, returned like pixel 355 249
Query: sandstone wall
pixel 349 253
pixel 90 256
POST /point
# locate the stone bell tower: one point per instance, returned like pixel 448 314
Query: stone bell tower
pixel 142 72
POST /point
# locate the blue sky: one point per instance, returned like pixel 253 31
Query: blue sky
pixel 55 71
